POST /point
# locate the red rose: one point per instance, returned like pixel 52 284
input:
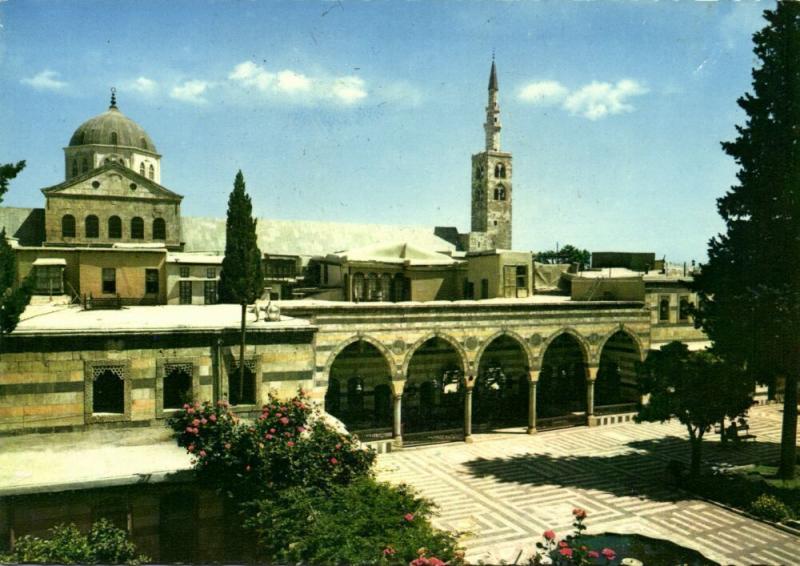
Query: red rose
pixel 593 554
pixel 334 461
pixel 563 544
pixel 608 553
pixel 389 551
pixel 566 552
pixel 285 420
pixel 290 444
pixel 549 535
pixel 409 517
pixel 579 513
pixel 202 453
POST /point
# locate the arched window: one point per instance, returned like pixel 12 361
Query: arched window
pixel 137 228
pixel 663 309
pixel 114 227
pixel 497 171
pixel 113 138
pixel 152 172
pixel 84 165
pixel 372 287
pixel 141 169
pixel 500 193
pixel 500 171
pixel 68 226
pixel 358 287
pixel 74 167
pixel 159 229
pixel 108 393
pixel 92 226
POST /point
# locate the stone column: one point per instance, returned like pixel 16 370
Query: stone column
pixel 397 413
pixel 533 380
pixel 469 382
pixel 591 377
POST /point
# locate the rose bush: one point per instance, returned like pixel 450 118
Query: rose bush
pixel 570 551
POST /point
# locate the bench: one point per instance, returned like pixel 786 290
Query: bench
pixel 734 432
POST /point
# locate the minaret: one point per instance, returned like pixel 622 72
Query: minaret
pixel 491 182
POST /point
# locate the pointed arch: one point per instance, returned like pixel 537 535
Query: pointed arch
pixel 384 351
pixel 462 354
pixel 627 331
pixel 510 334
pixel 584 346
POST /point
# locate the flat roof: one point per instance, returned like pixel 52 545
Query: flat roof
pixel 73 319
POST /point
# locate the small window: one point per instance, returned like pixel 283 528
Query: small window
pixel 372 287
pixel 500 193
pixel 684 308
pixel 151 281
pixel 68 226
pixel 159 229
pixel 210 292
pixel 49 279
pixel 184 271
pixel 522 277
pixel 186 292
pixel 211 273
pixel 325 274
pixel 141 169
pixel 152 172
pixel 663 309
pixel 113 138
pixel 108 392
pixel 484 288
pixel 114 227
pixel 137 228
pixel 386 288
pixel 358 287
pixel 92 226
pixel 109 280
pixel 177 385
pixel 84 165
pixel 242 392
pixel 469 289
pixel 74 167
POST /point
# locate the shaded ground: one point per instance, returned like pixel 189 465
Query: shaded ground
pixel 507 488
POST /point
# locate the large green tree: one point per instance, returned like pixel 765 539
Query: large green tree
pixel 567 254
pixel 13 299
pixel 697 388
pixel 749 290
pixel 242 277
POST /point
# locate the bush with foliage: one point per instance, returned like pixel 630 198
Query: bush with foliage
pixel 286 446
pixel 570 551
pixel 105 544
pixel 770 508
pixel 365 522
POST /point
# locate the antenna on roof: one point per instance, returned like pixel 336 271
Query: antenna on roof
pixel 113 97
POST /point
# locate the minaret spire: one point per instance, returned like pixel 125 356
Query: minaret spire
pixel 492 125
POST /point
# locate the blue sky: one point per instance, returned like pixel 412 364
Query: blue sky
pixel 369 111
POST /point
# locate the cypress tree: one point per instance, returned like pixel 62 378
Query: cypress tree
pixel 242 278
pixel 749 290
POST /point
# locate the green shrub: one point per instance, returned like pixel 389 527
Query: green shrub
pixel 280 449
pixel 770 508
pixel 105 544
pixel 365 522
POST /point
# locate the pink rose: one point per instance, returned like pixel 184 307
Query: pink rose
pixel 196 422
pixel 203 421
pixel 301 429
pixel 334 461
pixel 593 554
pixel 549 535
pixel 190 448
pixel 202 453
pixel 285 420
pixel 268 436
pixel 389 551
pixel 608 554
pixel 409 517
pixel 338 446
pixel 213 418
pixel 186 405
pixel 279 415
pixel 290 444
pixel 566 552
pixel 272 430
pixel 190 410
pixel 579 513
pixel 563 544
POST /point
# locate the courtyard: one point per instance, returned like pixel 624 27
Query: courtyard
pixel 506 488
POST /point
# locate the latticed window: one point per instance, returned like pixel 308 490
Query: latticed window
pixel 177 385
pixel 114 227
pixel 68 226
pixel 108 389
pixel 137 228
pixel 186 292
pixel 92 226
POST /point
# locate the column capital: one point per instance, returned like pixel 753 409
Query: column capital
pixel 397 387
pixel 533 375
pixel 469 381
pixel 591 375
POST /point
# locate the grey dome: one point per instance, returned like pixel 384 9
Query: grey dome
pixel 101 130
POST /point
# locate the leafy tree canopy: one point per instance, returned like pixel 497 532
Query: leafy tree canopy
pixel 12 300
pixel 9 171
pixel 242 276
pixel 567 254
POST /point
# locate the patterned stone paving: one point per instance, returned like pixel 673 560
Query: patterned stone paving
pixel 506 488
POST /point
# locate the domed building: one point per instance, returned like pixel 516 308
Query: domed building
pixel 112 192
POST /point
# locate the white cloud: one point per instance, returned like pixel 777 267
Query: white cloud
pixel 291 82
pixel 46 80
pixel 190 91
pixel 598 100
pixel 302 88
pixel 143 85
pixel 543 92
pixel 349 90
